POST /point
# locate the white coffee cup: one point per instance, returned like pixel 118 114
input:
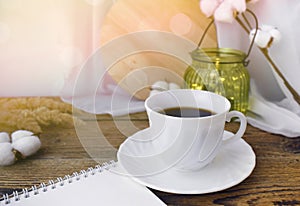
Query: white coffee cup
pixel 190 143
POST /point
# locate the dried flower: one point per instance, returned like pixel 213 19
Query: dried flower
pixel 34 113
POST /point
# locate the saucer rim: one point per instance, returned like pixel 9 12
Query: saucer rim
pixel 196 191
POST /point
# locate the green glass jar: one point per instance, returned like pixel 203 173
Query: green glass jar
pixel 223 71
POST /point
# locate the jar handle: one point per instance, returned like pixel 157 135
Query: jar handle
pixel 245 62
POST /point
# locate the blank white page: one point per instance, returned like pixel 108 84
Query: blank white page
pixel 102 188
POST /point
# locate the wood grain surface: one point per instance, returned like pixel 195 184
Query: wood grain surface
pixel 274 181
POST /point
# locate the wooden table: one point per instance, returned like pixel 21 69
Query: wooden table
pixel 274 181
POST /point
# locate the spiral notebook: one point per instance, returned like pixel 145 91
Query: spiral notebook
pixel 100 185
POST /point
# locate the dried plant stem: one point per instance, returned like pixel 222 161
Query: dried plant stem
pixel 35 113
pixel 265 52
pixel 286 83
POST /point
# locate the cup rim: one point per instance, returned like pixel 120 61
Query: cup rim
pixel 188 118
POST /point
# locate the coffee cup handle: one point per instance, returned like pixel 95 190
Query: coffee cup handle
pixel 243 124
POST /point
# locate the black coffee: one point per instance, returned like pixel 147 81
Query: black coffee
pixel 187 112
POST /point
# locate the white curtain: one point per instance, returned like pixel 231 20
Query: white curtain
pixel 43 43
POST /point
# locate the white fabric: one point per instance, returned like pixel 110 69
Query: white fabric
pixel 109 98
pixel 273 117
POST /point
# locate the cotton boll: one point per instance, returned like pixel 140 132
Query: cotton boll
pixel 262 38
pixel 27 145
pixel 253 1
pixel 7 157
pixel 239 6
pixel 20 134
pixel 208 7
pixel 224 13
pixel 160 85
pixel 4 137
pixel 173 86
pixel 267 28
pixel 152 92
pixel 275 33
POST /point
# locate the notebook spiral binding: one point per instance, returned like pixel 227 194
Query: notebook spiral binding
pixel 52 184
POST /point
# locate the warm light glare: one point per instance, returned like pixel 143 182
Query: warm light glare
pixel 43 42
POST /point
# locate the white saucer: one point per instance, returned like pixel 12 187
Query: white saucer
pixel 233 164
